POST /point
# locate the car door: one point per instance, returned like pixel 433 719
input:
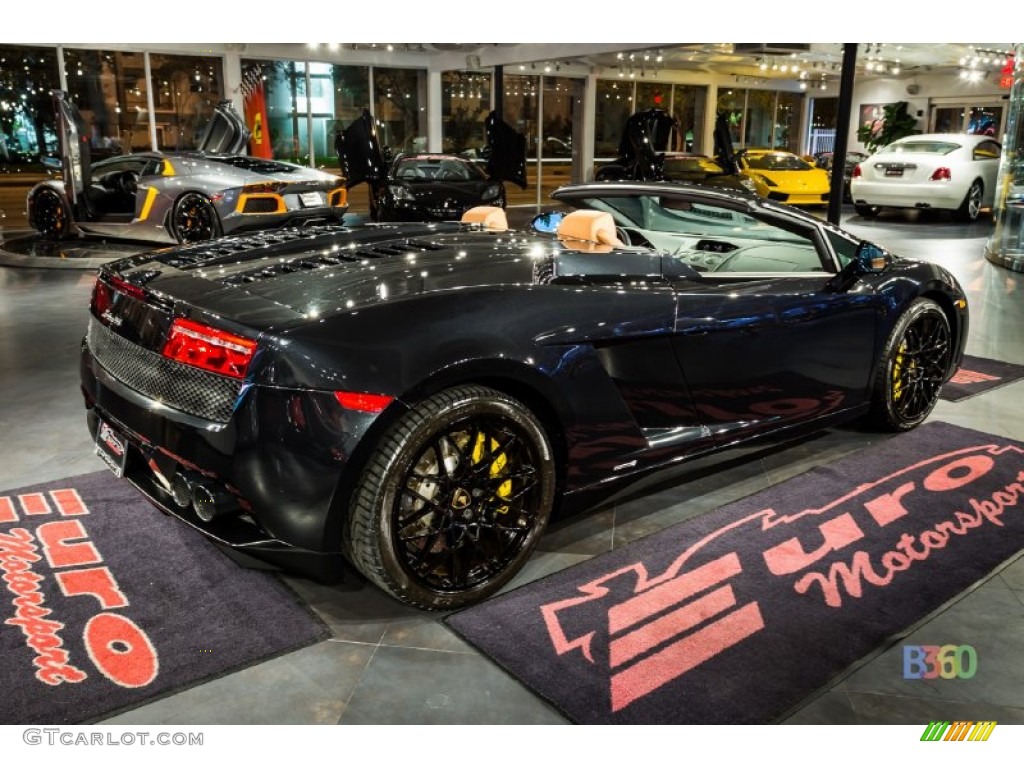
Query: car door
pixel 360 153
pixel 506 151
pixel 75 156
pixel 225 133
pixel 764 337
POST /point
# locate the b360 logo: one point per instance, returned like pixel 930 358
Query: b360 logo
pixel 931 662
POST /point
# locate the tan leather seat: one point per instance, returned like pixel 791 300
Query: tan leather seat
pixel 487 216
pixel 589 228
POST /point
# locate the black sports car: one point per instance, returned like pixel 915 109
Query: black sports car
pixel 422 398
pixel 853 159
pixel 644 155
pixel 430 186
pixel 434 187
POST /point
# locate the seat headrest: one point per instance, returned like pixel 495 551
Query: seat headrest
pixel 487 216
pixel 596 227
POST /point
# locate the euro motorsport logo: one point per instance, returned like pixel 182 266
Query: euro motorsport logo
pixel 960 730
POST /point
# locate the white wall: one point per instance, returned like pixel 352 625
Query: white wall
pixel 933 89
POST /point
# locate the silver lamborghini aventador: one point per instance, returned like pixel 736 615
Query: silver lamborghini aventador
pixel 178 198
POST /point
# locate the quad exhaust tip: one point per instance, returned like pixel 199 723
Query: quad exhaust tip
pixel 210 503
pixel 206 500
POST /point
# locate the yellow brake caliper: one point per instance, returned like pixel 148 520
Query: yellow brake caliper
pixel 497 465
pixel 897 372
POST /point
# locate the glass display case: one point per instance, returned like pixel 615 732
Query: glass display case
pixel 1006 246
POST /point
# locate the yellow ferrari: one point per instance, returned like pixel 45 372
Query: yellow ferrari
pixel 785 177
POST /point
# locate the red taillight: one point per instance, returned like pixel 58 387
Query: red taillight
pixel 209 348
pixel 127 288
pixel 101 298
pixel 941 174
pixel 103 293
pixel 264 188
pixel 857 172
pixel 363 401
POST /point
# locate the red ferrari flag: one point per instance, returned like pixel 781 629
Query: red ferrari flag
pixel 256 115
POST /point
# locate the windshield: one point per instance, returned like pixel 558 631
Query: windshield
pixel 777 161
pixel 713 235
pixel 437 169
pixel 657 215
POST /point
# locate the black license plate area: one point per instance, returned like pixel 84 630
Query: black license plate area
pixel 890 171
pixel 112 447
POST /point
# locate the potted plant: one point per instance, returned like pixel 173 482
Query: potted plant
pixel 895 123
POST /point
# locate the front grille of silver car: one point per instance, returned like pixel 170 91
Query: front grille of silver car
pixel 182 387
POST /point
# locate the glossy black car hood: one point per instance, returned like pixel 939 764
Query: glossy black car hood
pixel 269 279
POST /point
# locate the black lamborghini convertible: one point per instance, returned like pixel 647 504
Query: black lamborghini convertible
pixel 420 399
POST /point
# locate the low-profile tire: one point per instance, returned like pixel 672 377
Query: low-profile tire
pixel 866 211
pixel 453 499
pixel 913 368
pixel 194 219
pixel 971 206
pixel 50 215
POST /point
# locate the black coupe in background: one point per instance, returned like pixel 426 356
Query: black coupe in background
pixel 421 399
pixel 434 187
pixel 430 186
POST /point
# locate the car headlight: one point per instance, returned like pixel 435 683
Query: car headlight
pixel 491 192
pixel 748 184
pixel 767 182
pixel 401 193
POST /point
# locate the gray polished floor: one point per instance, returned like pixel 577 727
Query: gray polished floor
pixel 388 664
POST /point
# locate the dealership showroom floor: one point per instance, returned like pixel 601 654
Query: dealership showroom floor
pixel 387 664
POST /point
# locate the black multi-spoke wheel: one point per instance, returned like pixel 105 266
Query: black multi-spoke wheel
pixel 913 368
pixel 194 219
pixel 50 214
pixel 453 501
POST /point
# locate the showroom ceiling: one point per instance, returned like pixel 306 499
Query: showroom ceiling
pixel 764 60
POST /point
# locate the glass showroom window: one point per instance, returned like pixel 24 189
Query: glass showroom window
pixel 26 110
pixel 787 121
pixel 822 128
pixel 559 93
pixel 688 108
pixel 401 106
pixel 733 103
pixel 613 108
pixel 109 88
pixel 185 91
pixel 351 87
pixel 283 85
pixel 658 96
pixel 465 104
pixel 759 113
pixel 521 108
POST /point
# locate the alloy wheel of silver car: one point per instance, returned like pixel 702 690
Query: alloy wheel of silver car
pixel 194 219
pixel 50 215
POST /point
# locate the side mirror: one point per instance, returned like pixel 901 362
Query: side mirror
pixel 547 222
pixel 870 258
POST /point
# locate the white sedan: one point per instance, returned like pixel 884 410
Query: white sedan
pixel 946 171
